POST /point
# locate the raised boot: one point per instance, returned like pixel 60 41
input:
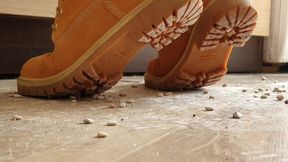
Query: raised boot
pixel 199 58
pixel 95 39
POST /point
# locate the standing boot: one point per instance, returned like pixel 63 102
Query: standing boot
pixel 199 58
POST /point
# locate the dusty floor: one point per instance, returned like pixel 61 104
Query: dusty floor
pixel 154 129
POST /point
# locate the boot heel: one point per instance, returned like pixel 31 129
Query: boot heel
pixel 234 28
pixel 172 27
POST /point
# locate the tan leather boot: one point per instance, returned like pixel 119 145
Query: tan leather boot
pixel 95 39
pixel 199 58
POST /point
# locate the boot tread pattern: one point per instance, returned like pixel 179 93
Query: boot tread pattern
pixel 234 28
pixel 174 26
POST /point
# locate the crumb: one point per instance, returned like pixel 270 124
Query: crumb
pixel 205 92
pixel 244 90
pixel 224 85
pixel 73 101
pixel 286 102
pixel 264 78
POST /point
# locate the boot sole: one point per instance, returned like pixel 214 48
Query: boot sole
pixel 102 65
pixel 205 60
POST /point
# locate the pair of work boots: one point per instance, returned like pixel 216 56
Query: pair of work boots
pixel 95 39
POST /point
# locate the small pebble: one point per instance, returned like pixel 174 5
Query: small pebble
pixel 110 99
pixel 160 94
pixel 264 97
pixel 205 92
pixel 194 115
pixel 99 97
pixel 88 121
pixel 168 93
pixel 237 115
pixel 278 90
pixel 255 96
pixel 211 97
pixel 224 85
pixel 123 105
pixel 256 91
pixel 16 95
pixel 267 94
pixel 244 90
pixel 112 123
pixel 264 78
pixel 286 102
pixel 72 98
pixel 122 95
pixel 209 109
pixel 134 86
pixel 102 135
pixel 17 117
pixel 112 106
pixel 131 101
pixel 261 89
pixel 280 97
pixel 276 81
